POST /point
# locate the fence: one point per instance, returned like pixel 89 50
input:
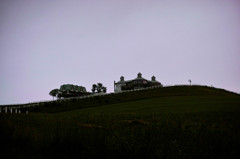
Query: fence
pixel 17 107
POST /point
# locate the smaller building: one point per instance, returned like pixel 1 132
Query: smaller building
pixel 136 83
pixel 70 90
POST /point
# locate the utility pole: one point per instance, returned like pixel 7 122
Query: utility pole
pixel 190 81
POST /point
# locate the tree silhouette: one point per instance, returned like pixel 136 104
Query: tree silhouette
pixel 54 93
pixel 99 87
pixel 104 89
pixel 94 87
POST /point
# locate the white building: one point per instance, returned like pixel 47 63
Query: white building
pixel 136 83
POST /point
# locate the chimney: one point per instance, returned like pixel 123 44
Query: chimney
pixel 121 78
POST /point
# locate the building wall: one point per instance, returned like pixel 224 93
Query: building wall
pixel 136 83
pixel 118 88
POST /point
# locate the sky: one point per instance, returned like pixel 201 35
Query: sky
pixel 44 44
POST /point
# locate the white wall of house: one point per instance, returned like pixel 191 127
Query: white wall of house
pixel 118 88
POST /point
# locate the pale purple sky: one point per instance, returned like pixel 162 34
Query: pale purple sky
pixel 47 43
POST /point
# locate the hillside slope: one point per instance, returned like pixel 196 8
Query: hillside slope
pixel 174 91
pixel 171 122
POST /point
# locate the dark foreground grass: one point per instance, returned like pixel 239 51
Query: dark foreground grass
pixel 164 127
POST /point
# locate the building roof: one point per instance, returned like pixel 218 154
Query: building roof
pixel 122 82
pixel 139 77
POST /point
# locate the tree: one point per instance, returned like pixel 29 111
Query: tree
pixel 94 86
pixel 99 87
pixel 104 89
pixel 54 93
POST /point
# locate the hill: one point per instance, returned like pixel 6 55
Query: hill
pixel 173 91
pixel 169 122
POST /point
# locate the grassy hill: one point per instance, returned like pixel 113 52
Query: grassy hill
pixel 174 91
pixel 168 122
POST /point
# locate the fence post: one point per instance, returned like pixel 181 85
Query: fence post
pixel 5 109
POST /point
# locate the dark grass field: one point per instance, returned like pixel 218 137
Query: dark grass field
pixel 173 122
